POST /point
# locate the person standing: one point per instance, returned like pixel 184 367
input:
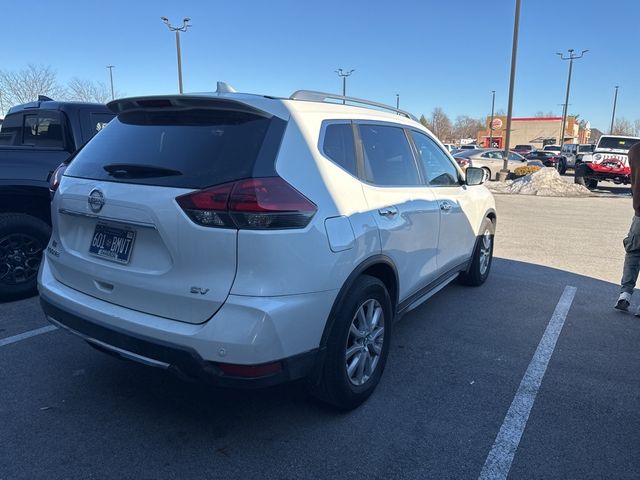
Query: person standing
pixel 632 240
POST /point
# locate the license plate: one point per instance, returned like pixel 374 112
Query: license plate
pixel 112 243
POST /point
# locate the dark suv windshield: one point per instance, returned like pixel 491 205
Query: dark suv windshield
pixel 617 143
pixel 190 148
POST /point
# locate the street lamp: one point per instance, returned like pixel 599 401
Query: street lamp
pixel 398 102
pixel 110 67
pixel 183 28
pixel 613 115
pixel 571 58
pixel 512 78
pixel 344 74
pixel 493 104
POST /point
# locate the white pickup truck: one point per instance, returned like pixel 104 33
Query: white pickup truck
pixel 608 162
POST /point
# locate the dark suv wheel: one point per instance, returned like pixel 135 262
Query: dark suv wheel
pixel 22 241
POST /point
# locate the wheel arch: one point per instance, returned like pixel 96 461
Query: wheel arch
pixel 378 266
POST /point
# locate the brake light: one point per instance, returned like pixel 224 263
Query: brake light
pixel 255 203
pixel 56 176
pixel 463 162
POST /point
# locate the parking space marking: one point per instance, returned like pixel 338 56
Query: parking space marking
pixel 25 335
pixel 500 458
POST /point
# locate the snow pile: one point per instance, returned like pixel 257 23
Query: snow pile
pixel 545 182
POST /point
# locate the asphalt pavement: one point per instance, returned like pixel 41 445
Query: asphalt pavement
pixel 456 364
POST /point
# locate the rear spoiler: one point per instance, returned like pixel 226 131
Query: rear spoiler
pixel 182 102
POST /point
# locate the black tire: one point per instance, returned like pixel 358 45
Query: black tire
pixel 562 166
pixel 481 265
pixel 23 238
pixel 334 385
pixel 487 173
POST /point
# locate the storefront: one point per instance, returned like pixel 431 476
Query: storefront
pixel 536 131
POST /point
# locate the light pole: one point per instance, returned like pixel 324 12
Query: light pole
pixel 398 102
pixel 571 58
pixel 512 78
pixel 344 74
pixel 493 104
pixel 183 28
pixel 613 114
pixel 110 67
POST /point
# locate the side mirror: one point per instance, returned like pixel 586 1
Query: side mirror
pixel 474 176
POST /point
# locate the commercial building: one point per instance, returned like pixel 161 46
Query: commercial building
pixel 536 131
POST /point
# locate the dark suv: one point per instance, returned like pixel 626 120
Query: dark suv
pixel 34 139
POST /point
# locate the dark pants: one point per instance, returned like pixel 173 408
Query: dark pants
pixel 632 258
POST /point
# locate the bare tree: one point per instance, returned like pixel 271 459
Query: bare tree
pixel 622 126
pixel 636 128
pixel 439 124
pixel 88 91
pixel 22 86
pixel 467 127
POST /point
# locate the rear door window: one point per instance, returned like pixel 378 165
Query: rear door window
pixel 42 129
pixel 388 159
pixel 192 148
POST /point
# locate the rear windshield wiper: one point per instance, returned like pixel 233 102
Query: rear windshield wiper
pixel 132 170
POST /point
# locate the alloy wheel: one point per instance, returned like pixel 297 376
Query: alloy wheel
pixel 364 342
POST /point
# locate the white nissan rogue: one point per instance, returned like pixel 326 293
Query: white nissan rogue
pixel 250 240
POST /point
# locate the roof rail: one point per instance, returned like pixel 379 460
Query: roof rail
pixel 313 96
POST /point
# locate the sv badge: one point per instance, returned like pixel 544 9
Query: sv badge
pixel 201 291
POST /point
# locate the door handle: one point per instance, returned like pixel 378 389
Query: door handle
pixel 388 211
pixel 445 206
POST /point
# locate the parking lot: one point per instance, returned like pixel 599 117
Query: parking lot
pixel 455 371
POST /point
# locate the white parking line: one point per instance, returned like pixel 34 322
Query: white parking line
pixel 500 457
pixel 25 335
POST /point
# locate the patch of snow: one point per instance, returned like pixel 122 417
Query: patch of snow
pixel 545 182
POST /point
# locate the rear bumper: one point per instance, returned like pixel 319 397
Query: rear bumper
pixel 178 359
pixel 246 331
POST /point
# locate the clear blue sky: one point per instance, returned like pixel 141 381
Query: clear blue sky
pixel 447 53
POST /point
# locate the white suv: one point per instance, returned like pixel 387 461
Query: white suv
pixel 250 240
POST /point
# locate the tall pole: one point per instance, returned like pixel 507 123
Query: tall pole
pixel 398 102
pixel 565 108
pixel 179 60
pixel 344 74
pixel 110 67
pixel 512 78
pixel 493 104
pixel 183 28
pixel 613 114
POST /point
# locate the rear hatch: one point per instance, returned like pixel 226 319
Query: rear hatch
pixel 124 238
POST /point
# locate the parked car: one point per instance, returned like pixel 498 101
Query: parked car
pixel 523 149
pixel 449 146
pixel 471 146
pixel 552 148
pixel 490 160
pixel 34 139
pixel 250 240
pixel 609 162
pixel 548 159
pixel 573 153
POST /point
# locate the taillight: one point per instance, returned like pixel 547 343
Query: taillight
pixel 255 203
pixel 463 162
pixel 56 176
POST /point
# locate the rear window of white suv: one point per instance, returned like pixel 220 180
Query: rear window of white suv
pixel 192 148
